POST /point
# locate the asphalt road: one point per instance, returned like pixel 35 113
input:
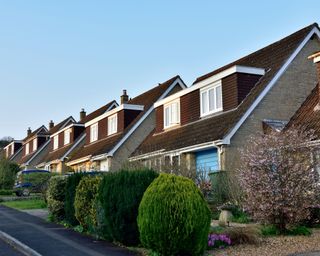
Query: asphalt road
pixel 7 250
pixel 50 239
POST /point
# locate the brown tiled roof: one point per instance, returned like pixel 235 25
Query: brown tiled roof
pixel 58 126
pixel 270 58
pixel 308 115
pixel 105 145
pixel 32 134
pixel 97 112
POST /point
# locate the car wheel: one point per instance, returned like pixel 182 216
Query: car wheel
pixel 18 193
pixel 26 192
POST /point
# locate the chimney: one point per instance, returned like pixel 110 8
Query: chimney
pixel 316 59
pixel 82 114
pixel 51 124
pixel 29 131
pixel 124 97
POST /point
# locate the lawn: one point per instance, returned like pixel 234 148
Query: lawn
pixel 26 204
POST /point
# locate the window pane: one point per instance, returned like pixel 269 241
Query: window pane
pixel 174 113
pixel 204 102
pixel 218 97
pixel 166 116
pixel 211 100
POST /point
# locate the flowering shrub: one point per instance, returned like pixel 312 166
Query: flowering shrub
pixel 218 241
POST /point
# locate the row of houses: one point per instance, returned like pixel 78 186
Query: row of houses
pixel 202 126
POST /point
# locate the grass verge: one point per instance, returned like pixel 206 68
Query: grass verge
pixel 26 204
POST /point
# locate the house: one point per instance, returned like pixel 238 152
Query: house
pixel 31 144
pixel 36 145
pixel 204 126
pixel 65 137
pixel 13 150
pixel 112 135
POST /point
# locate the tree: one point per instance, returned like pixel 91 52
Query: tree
pixel 8 171
pixel 278 177
pixel 5 141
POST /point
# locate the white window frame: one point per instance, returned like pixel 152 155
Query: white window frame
pixel 55 142
pixel 34 144
pixel 112 124
pixel 94 132
pixel 206 111
pixel 67 136
pixel 27 148
pixel 171 120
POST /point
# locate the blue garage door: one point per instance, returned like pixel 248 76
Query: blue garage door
pixel 207 160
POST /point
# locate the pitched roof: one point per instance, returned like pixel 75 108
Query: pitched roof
pixel 61 125
pixel 41 130
pixel 97 112
pixel 308 115
pixel 105 145
pixel 270 58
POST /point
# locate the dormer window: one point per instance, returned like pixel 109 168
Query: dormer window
pixel 211 99
pixel 67 135
pixel 27 149
pixel 94 132
pixel 12 149
pixel 55 142
pixel 112 124
pixel 171 114
pixel 35 144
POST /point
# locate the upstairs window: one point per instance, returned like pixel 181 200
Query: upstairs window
pixel 112 124
pixel 171 114
pixel 27 149
pixel 94 132
pixel 12 149
pixel 55 142
pixel 211 99
pixel 67 135
pixel 35 144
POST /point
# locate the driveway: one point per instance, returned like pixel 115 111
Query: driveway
pixel 51 239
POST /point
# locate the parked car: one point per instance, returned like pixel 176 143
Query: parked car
pixel 25 182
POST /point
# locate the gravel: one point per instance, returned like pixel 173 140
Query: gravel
pixel 276 246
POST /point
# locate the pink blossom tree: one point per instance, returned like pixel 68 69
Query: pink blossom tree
pixel 278 179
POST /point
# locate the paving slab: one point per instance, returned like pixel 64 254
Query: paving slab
pixel 50 239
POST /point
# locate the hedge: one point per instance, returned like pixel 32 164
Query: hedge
pixel 120 194
pixel 55 197
pixel 174 218
pixel 84 204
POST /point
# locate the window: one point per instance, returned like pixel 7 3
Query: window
pixel 67 135
pixel 55 142
pixel 35 144
pixel 112 124
pixel 94 132
pixel 27 149
pixel 12 149
pixel 211 99
pixel 171 114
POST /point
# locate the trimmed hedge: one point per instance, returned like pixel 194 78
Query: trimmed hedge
pixel 174 218
pixel 55 197
pixel 72 183
pixel 120 194
pixel 5 192
pixel 84 204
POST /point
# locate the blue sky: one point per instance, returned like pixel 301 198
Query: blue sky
pixel 57 57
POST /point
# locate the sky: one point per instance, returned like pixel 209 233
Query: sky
pixel 57 57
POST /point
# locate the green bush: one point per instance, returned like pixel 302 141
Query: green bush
pixel 6 192
pixel 174 218
pixel 120 195
pixel 84 204
pixel 8 172
pixel 220 188
pixel 272 230
pixel 56 196
pixel 72 183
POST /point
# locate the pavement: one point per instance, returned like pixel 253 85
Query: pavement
pixel 315 253
pixel 49 239
pixel 41 213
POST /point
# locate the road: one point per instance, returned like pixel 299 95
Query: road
pixel 7 250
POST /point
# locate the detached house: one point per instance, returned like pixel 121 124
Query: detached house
pixel 64 138
pixel 13 150
pixel 32 144
pixel 113 134
pixel 205 125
